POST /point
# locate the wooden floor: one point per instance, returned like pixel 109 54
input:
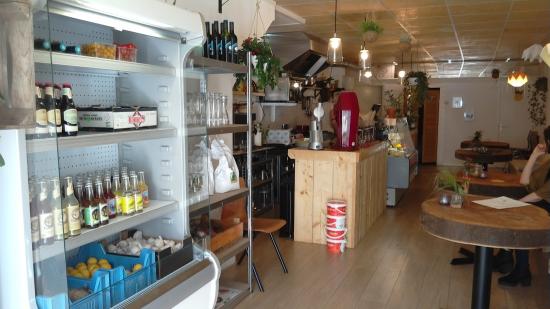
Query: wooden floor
pixel 396 266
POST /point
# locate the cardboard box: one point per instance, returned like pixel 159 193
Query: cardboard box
pixel 117 118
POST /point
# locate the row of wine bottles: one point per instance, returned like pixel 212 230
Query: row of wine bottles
pixel 56 113
pixel 221 44
pixel 56 46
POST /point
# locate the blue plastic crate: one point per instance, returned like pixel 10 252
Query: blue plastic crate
pixel 98 299
pixel 122 285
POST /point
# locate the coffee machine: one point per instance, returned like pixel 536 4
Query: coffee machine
pixel 346 112
pixel 315 130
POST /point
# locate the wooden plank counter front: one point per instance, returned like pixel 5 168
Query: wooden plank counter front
pixel 358 177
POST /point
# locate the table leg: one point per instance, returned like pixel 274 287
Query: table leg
pixel 483 268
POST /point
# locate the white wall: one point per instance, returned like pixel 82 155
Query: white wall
pixel 496 113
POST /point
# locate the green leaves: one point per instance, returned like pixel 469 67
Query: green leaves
pixel 371 25
pixel 446 180
pixel 268 68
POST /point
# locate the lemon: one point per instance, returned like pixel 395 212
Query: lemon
pixel 80 265
pixel 137 267
pixel 106 266
pixel 92 260
pixel 85 273
pixel 93 266
pixel 103 261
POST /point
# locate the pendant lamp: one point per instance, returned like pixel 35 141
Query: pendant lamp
pixel 364 57
pixel 335 43
pixel 517 79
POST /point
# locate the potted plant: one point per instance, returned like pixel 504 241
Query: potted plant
pixel 393 103
pixel 370 30
pixel 476 139
pixel 267 67
pixel 416 86
pixel 452 190
pixel 537 105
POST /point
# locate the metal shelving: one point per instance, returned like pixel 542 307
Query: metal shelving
pixel 102 64
pixel 216 201
pixel 155 210
pixel 228 128
pixel 86 139
pixel 212 66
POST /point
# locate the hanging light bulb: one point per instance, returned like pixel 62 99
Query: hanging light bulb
pixel 335 43
pixel 368 73
pixel 517 79
pixel 401 73
pixel 364 58
pixel 296 85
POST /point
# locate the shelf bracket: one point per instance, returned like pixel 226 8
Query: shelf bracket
pixel 221 3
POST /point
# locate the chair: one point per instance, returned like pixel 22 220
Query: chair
pixel 237 209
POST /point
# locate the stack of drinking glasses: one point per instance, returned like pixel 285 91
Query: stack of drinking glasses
pixel 209 108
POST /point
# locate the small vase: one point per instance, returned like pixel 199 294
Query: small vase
pixel 457 200
pixel 370 36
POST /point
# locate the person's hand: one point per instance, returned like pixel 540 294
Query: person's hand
pixel 538 151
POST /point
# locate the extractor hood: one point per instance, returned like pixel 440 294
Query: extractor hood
pixel 300 53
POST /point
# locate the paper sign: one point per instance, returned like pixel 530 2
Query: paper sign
pixel 502 202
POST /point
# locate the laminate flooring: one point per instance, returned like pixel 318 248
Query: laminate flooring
pixel 397 265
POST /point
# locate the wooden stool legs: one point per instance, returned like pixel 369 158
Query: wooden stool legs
pixel 278 251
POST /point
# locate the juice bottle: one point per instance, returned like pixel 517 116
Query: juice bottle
pixel 138 198
pixel 117 192
pixel 101 203
pixel 91 209
pixel 110 197
pixel 144 188
pixel 74 214
pixel 128 201
pixel 60 218
pixel 45 214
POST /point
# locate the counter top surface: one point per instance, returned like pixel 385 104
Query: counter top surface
pixel 332 154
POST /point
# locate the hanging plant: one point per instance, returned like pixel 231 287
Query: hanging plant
pixel 267 67
pixel 416 86
pixel 370 30
pixel 537 102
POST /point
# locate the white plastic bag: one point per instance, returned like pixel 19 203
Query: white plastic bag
pixel 226 175
pixel 209 168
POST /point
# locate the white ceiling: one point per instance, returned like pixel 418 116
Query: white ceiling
pixel 476 35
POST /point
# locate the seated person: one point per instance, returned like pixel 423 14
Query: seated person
pixel 536 177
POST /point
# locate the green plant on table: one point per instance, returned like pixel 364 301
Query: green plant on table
pixel 393 101
pixel 445 180
pixel 477 136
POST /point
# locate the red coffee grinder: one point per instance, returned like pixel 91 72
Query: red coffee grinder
pixel 346 111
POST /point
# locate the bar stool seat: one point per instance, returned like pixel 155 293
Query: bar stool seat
pixel 266 225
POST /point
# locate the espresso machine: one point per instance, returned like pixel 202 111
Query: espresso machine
pixel 315 130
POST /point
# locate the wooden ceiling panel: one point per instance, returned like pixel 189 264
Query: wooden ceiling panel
pixel 485 29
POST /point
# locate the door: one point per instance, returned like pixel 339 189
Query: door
pixel 430 126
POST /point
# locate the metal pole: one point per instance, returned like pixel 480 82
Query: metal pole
pixel 481 287
pixel 249 164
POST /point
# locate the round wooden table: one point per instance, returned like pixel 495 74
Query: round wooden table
pixel 486 228
pixel 492 155
pixel 486 144
pixel 497 183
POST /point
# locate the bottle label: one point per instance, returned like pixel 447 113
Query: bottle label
pixel 46 225
pixel 128 206
pixel 58 223
pixel 91 216
pixel 138 198
pixel 118 203
pixel 35 229
pixel 145 195
pixel 41 117
pixel 67 92
pixel 74 217
pixel 65 221
pixel 103 212
pixel 111 205
pixel 70 117
pixel 54 117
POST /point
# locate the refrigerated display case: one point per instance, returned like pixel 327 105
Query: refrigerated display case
pixel 44 268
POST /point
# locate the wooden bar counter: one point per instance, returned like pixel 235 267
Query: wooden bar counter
pixel 358 177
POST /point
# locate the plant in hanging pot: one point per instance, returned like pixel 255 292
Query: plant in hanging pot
pixel 267 67
pixel 451 190
pixel 370 30
pixel 416 86
pixel 393 103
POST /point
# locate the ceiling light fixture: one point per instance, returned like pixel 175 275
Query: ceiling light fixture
pixel 364 57
pixel 335 43
pixel 368 73
pixel 449 61
pixel 296 85
pixel 402 72
pixel 517 79
pixel 395 63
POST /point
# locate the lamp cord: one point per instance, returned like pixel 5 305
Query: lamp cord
pixel 335 12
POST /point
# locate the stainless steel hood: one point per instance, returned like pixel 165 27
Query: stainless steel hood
pixel 301 54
